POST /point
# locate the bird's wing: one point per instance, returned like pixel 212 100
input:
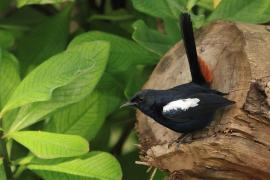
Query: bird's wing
pixel 192 88
pixel 196 105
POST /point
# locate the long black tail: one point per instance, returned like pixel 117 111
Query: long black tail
pixel 190 46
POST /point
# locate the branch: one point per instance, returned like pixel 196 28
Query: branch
pixel 117 149
pixel 4 153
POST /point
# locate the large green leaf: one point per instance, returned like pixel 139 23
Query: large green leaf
pixel 44 40
pixel 252 11
pixel 51 145
pixel 9 118
pixel 2 170
pixel 123 54
pixel 9 76
pixel 86 117
pixel 63 79
pixel 153 7
pixel 114 96
pixel 83 118
pixel 151 39
pixel 172 29
pixel 160 8
pixel 136 81
pixel 6 39
pixel 21 3
pixel 94 165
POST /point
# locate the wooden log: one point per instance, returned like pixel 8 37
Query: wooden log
pixel 236 145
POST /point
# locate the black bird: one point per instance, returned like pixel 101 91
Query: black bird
pixel 187 107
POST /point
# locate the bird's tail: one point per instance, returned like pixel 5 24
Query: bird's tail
pixel 199 70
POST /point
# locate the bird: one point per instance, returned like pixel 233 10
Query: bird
pixel 187 107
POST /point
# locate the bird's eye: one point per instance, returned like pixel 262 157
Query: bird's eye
pixel 140 99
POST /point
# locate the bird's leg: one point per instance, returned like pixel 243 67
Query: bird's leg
pixel 184 138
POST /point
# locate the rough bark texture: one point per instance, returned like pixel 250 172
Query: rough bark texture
pixel 237 143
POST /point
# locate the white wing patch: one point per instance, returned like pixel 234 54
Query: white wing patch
pixel 182 104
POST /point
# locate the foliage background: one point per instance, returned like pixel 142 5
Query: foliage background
pixel 65 68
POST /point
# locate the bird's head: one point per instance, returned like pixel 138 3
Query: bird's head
pixel 143 100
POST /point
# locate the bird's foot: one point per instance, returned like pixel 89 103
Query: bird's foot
pixel 184 138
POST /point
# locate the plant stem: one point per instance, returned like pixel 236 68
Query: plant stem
pixel 4 153
pixel 117 149
pixel 5 157
pixel 19 171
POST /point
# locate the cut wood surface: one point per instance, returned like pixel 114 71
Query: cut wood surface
pixel 236 145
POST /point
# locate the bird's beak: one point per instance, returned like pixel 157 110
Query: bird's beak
pixel 127 104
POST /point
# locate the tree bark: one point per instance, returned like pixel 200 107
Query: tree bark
pixel 236 145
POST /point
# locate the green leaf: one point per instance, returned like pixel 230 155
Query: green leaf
pixel 176 7
pixel 114 95
pixel 94 165
pixel 243 10
pixel 51 145
pixel 191 4
pixel 172 29
pixel 86 117
pixel 136 81
pixel 9 118
pixel 123 54
pixel 45 40
pixel 2 170
pixel 6 39
pixel 150 39
pixel 83 118
pixel 63 79
pixel 160 8
pixel 206 4
pixel 169 11
pixel 21 3
pixel 9 76
pixel 153 7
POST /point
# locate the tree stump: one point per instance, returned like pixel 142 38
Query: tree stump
pixel 236 145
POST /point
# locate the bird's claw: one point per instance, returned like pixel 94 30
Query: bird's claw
pixel 184 138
